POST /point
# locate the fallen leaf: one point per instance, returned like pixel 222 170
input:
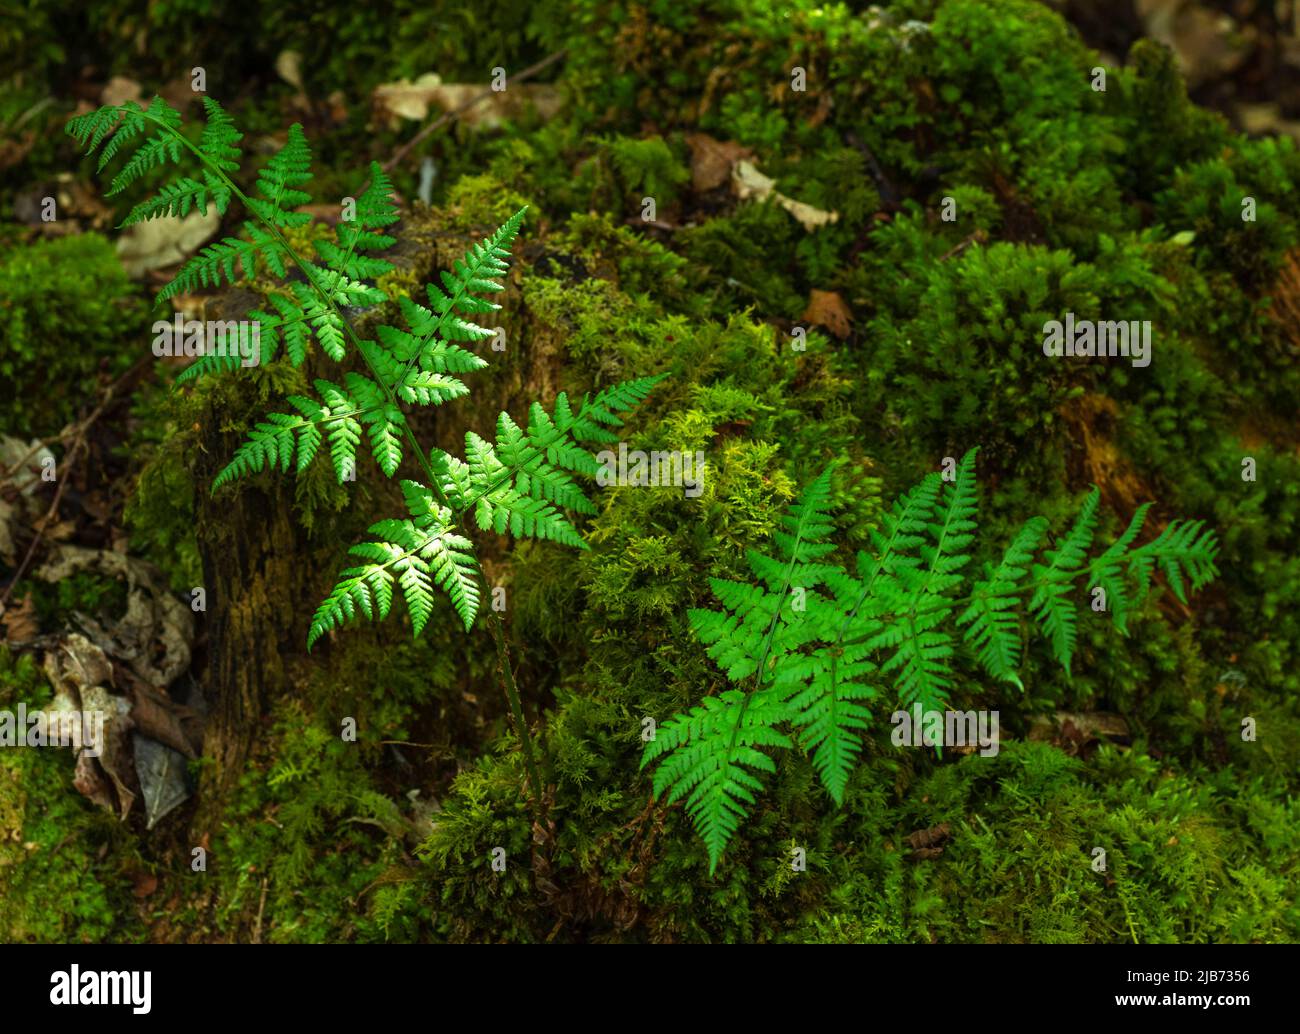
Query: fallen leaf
pixel 161 771
pixel 154 635
pixel 80 673
pixel 156 243
pixel 119 90
pixel 405 99
pixel 144 884
pixel 20 620
pixel 827 309
pixel 749 183
pixel 712 160
pixel 412 100
pixel 159 717
pixel 288 66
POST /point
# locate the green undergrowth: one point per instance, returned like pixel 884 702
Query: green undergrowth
pixel 66 307
pixel 1124 205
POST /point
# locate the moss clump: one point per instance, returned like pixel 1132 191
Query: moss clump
pixel 65 305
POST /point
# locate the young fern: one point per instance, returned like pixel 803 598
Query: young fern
pixel 810 645
pixel 523 483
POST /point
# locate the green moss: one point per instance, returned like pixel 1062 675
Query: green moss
pixel 65 306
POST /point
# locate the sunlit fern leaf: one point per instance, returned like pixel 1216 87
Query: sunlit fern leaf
pixel 421 554
pixel 375 208
pixel 280 182
pixel 711 753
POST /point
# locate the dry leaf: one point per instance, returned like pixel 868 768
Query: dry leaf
pixel 827 309
pixel 156 715
pixel 80 673
pixel 288 66
pixel 156 243
pixel 407 100
pixel 144 884
pixel 20 621
pixel 712 160
pixel 154 635
pixel 119 90
pixel 750 183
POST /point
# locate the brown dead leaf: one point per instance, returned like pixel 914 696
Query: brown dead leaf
pixel 155 714
pixel 827 309
pixel 144 884
pixel 931 837
pixel 712 160
pixel 20 620
pixel 929 843
pixel 1072 730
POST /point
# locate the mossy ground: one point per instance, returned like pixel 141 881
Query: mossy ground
pixel 1067 199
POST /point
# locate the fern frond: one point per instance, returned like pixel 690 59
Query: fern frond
pixel 419 554
pixel 470 276
pixel 1107 572
pixel 920 601
pixel 375 208
pixel 165 146
pixel 710 755
pixel 280 181
pixel 993 628
pixel 814 665
pixel 1051 603
pixel 598 413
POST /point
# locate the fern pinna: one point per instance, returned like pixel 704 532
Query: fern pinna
pixel 809 646
pixel 523 482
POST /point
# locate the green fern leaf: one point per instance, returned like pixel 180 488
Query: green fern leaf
pixel 1053 582
pixel 993 628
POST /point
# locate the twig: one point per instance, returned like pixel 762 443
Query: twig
pixel 979 236
pixel 261 906
pixel 889 194
pixel 456 112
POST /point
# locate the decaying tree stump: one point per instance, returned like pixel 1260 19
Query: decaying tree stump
pixel 263 574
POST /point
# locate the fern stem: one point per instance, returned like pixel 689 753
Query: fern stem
pixel 517 709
